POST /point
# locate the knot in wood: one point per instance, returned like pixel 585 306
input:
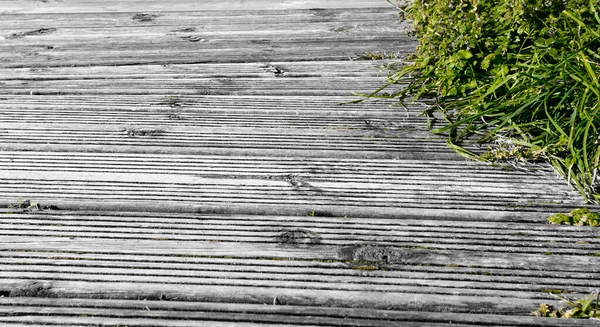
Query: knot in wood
pixel 299 236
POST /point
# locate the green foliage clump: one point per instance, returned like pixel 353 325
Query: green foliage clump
pixel 379 55
pixel 574 308
pixel 577 217
pixel 524 71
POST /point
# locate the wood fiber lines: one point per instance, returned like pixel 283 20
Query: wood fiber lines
pixel 194 164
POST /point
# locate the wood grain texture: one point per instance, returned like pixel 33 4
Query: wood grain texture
pixel 197 37
pixel 295 265
pixel 197 163
pixel 269 313
pixel 116 6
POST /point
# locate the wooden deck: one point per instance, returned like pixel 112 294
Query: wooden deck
pixel 189 163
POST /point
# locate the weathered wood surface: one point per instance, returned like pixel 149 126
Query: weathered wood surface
pixel 116 6
pixel 189 163
pixel 173 37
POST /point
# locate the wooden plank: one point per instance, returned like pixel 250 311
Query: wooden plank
pixel 584 247
pixel 151 281
pixel 218 35
pixel 330 267
pixel 92 6
pixel 181 86
pixel 189 57
pixel 200 17
pixel 442 276
pixel 61 188
pixel 533 213
pixel 47 58
pixel 337 316
pixel 244 273
pixel 268 27
pixel 300 249
pixel 125 40
pixel 355 68
pixel 57 319
pixel 390 172
pixel 331 317
pixel 278 194
pixel 387 281
pixel 346 232
pixel 69 320
pixel 299 113
pixel 526 228
pixel 232 293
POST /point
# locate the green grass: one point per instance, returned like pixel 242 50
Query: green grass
pixel 582 308
pixel 520 76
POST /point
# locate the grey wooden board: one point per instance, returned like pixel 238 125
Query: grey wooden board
pixel 165 310
pixel 54 6
pixel 189 163
pixel 300 191
pixel 197 37
pixel 496 236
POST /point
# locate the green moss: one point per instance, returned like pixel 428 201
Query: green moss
pixel 422 247
pixel 577 217
pixel 25 205
pixel 560 219
pixel 553 291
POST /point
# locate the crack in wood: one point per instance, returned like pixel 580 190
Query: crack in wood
pixel 185 30
pixel 301 184
pixel 143 132
pixel 144 17
pixel 172 102
pixel 40 31
pixel 32 289
pixel 299 236
pixel 381 255
pixel 276 70
pixel 193 38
